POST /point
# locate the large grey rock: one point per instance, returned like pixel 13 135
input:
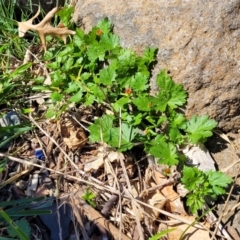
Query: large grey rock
pixel 198 41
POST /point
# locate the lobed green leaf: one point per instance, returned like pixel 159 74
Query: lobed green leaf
pixel 139 82
pixel 143 103
pixel 198 129
pixel 171 94
pixel 107 76
pixel 101 129
pixel 104 25
pixel 165 152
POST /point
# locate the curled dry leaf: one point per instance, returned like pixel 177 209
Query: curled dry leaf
pixel 156 200
pixel 73 134
pixel 97 161
pixel 94 162
pixel 181 190
pixel 174 203
pixel 44 28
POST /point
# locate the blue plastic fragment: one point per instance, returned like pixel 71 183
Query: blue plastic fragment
pixel 59 221
pixel 39 154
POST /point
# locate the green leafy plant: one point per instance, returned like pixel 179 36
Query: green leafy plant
pixel 13 213
pixel 203 184
pixel 94 69
pixel 89 198
pixel 12 93
pixel 3 164
pixel 65 15
pixel 22 225
pixel 11 85
pixel 100 71
pixel 198 129
pixel 11 44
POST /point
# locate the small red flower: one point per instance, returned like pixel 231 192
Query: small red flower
pixel 61 25
pixel 128 91
pixel 99 32
pixel 167 171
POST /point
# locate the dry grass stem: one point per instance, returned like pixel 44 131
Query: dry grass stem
pixel 95 216
pixel 133 201
pixel 78 214
pixel 25 162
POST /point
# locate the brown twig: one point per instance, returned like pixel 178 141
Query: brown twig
pixel 169 181
pixel 50 148
pixel 95 216
pixel 233 232
pixel 108 205
pixel 134 203
pixel 100 186
pixel 78 215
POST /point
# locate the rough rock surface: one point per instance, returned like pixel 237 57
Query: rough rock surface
pixel 198 41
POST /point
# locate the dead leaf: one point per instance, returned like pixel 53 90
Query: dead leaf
pixel 94 163
pixel 181 190
pixel 174 203
pixel 73 134
pixel 97 161
pixel 192 233
pixel 44 28
pixel 113 156
pixel 156 200
pixel 136 189
pixel 42 191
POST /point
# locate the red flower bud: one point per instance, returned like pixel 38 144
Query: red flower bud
pixel 99 32
pixel 128 91
pixel 61 25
